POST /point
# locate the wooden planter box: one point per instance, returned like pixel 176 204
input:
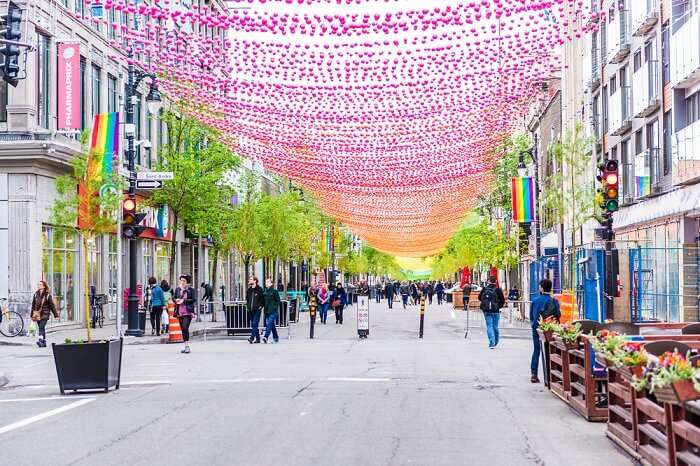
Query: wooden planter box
pixel 587 391
pixel 559 369
pixel 88 366
pixel 622 420
pixel 677 393
pixel 627 372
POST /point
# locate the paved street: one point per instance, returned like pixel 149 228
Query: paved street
pixel 390 400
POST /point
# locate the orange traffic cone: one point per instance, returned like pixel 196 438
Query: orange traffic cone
pixel 174 330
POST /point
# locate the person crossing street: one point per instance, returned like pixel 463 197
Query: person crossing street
pixel 271 310
pixel 254 304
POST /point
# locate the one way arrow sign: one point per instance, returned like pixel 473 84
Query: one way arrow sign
pixel 149 184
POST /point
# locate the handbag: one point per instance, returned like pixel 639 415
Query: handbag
pixel 336 303
pixel 36 313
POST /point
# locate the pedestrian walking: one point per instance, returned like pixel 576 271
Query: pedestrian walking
pixel 389 292
pixel 324 297
pixel 514 293
pixel 43 306
pixel 492 300
pixel 313 306
pixel 466 295
pixel 404 294
pixel 430 291
pixel 168 305
pixel 440 292
pixel 255 302
pixel 271 310
pixel 208 297
pixel 185 299
pixel 378 292
pixel 339 300
pixel 157 302
pixel 414 293
pixel 543 306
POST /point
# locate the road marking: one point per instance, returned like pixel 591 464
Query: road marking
pixel 249 380
pixel 42 416
pixel 358 379
pixel 148 382
pixel 44 398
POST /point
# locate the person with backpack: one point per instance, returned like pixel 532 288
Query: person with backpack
pixel 543 306
pixel 404 294
pixel 440 292
pixel 492 300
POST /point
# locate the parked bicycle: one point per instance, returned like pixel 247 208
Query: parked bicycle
pixel 11 322
pixel 97 315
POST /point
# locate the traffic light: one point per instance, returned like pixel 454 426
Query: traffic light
pixel 131 219
pixel 11 31
pixel 607 196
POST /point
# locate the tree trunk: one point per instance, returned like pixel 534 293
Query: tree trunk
pixel 173 251
pixel 86 300
pixel 215 265
pixel 246 264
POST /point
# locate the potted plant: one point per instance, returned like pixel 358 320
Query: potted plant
pixel 547 327
pixel 608 346
pixel 633 360
pixel 672 379
pixel 88 202
pixel 569 334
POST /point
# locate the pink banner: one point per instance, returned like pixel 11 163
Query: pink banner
pixel 69 86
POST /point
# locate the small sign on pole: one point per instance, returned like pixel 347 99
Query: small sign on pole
pixel 363 316
pixel 149 184
pixel 155 176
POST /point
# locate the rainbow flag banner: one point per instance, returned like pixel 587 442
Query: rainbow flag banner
pixel 104 145
pixel 523 199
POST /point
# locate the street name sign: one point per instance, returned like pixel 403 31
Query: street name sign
pixel 155 176
pixel 149 184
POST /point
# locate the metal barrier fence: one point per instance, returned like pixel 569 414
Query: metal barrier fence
pixel 515 318
pixel 235 314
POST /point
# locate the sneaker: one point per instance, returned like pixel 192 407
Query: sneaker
pixel 186 350
pixel 265 340
pixel 491 347
pixel 275 341
pixel 534 378
pixel 250 340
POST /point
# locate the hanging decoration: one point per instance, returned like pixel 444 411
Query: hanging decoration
pixel 386 111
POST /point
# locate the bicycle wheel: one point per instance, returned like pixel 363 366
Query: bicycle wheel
pixel 100 317
pixel 12 324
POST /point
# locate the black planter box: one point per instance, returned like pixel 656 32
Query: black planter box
pixel 88 366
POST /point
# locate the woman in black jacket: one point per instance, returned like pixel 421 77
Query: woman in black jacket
pixel 42 308
pixel 185 299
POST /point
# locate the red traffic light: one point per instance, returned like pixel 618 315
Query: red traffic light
pixel 611 179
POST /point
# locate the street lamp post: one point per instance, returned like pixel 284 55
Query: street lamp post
pixel 153 101
pixel 522 171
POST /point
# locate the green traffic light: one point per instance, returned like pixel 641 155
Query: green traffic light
pixel 612 206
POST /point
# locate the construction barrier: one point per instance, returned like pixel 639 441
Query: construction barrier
pixel 567 305
pixel 237 322
pixel 174 330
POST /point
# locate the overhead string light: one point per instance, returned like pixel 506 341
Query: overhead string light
pixel 387 112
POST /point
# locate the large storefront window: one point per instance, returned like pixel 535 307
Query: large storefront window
pixel 147 260
pixel 59 264
pixel 113 265
pixel 163 250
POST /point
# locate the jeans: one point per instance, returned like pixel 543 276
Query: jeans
pixel 270 327
pixel 404 299
pixel 379 296
pixel 42 328
pixel 430 298
pixel 323 312
pixel 156 311
pixel 536 347
pixel 439 298
pixel 254 323
pixel 185 325
pixel 390 300
pixel 339 314
pixel 492 327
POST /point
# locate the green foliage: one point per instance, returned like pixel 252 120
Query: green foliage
pixel 96 208
pixel 508 155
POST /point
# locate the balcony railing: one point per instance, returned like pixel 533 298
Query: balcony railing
pixel 646 89
pixel 685 52
pixel 627 182
pixel 686 154
pixel 645 14
pixel 620 111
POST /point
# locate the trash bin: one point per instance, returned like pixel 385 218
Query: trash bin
pixel 142 320
pixel 293 310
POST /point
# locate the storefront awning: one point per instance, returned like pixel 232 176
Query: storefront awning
pixel 673 203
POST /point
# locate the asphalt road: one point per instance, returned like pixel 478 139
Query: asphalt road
pixel 390 400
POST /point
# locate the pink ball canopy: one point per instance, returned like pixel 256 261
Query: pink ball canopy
pixel 388 111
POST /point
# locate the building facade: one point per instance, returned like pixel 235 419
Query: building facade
pixel 34 151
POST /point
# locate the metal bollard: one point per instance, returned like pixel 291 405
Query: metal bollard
pixel 422 316
pixel 312 315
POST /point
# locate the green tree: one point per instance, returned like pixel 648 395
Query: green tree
pixel 88 202
pixel 199 163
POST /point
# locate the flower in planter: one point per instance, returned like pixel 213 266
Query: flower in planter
pixel 609 345
pixel 634 355
pixel 569 332
pixel 549 324
pixel 671 367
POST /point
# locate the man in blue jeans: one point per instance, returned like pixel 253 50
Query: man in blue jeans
pixel 492 300
pixel 544 305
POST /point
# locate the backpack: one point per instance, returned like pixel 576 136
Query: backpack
pixel 550 309
pixel 489 300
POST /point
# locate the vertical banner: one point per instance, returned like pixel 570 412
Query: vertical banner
pixel 363 316
pixel 523 199
pixel 69 86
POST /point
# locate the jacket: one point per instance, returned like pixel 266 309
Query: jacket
pixel 324 297
pixel 272 301
pixel 439 288
pixel 499 296
pixel 341 295
pixel 404 290
pixel 363 290
pixel 208 293
pixel 189 302
pixel 538 306
pixel 43 305
pixel 389 290
pixel 157 296
pixel 514 294
pixel 254 299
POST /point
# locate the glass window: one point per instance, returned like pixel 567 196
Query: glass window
pixel 59 265
pixel 96 88
pixel 637 60
pixel 112 95
pixel 113 264
pixel 162 271
pixel 146 247
pixel 83 93
pixel 667 142
pixel 692 108
pixel 43 78
pixel 638 142
pixel 666 55
pixel 137 122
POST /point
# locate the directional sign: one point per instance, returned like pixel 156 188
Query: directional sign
pixel 149 184
pixel 155 176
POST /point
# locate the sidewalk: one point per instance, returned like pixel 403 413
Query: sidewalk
pixel 76 331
